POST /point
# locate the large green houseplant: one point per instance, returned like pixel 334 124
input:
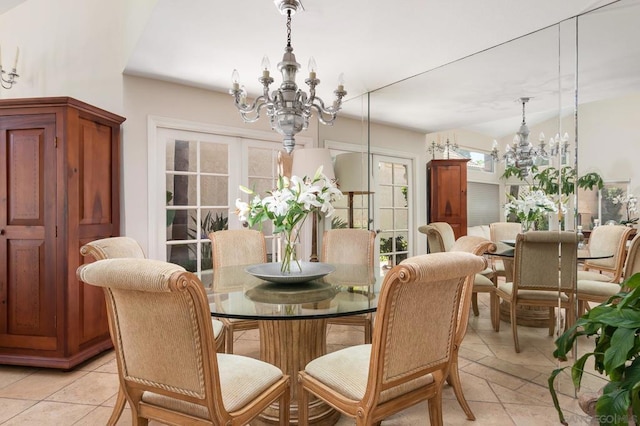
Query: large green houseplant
pixel 551 180
pixel 615 327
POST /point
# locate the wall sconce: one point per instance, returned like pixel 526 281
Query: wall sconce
pixel 10 80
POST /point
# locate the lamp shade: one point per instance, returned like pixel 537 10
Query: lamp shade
pixel 351 172
pixel 306 162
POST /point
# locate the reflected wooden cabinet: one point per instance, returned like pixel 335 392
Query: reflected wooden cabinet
pixel 447 198
pixel 59 189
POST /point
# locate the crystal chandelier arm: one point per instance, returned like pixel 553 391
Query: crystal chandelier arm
pixel 250 113
pixel 326 115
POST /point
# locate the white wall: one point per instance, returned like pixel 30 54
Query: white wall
pixel 609 140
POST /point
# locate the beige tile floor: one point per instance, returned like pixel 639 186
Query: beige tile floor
pixel 502 387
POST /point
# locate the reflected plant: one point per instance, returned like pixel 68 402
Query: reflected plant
pixel 386 246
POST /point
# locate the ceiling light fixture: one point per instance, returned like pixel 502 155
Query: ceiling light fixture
pixel 288 107
pixel 521 152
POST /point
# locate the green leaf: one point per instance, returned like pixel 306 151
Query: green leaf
pixel 577 369
pixel 621 344
pixel 613 405
pixel 554 395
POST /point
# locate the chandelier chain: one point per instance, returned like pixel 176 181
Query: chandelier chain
pixel 289 28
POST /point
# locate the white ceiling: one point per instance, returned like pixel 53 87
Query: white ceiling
pixel 376 43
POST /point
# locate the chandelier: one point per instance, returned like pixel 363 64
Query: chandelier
pixel 288 107
pixel 521 153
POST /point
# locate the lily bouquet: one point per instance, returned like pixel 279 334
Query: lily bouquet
pixel 631 204
pixel 530 207
pixel 287 206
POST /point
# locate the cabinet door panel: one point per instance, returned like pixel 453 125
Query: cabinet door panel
pixel 28 281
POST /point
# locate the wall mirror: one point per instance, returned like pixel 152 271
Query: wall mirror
pixel 583 80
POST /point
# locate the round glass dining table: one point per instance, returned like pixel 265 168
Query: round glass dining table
pixel 292 319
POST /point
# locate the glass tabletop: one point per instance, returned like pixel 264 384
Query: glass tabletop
pixel 349 290
pixel 583 254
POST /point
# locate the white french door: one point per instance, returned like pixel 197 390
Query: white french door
pixel 197 179
pixel 393 177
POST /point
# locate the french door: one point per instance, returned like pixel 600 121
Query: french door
pixel 199 181
pixel 393 178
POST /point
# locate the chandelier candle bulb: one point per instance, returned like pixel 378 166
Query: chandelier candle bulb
pixel 312 68
pixel 266 65
pixel 235 78
pixel 15 64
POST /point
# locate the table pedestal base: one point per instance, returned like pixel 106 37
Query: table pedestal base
pixel 530 316
pixel 291 345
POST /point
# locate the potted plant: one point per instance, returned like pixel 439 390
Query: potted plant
pixel 615 326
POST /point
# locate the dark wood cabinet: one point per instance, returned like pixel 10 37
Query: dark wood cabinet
pixel 59 189
pixel 447 198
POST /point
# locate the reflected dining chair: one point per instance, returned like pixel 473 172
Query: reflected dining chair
pixel 233 248
pixel 419 298
pixel 167 362
pixel 599 291
pixel 606 239
pixel 478 246
pixel 545 266
pixel 440 237
pixel 500 231
pixel 126 247
pixel 353 247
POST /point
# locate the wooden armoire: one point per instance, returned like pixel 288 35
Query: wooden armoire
pixel 447 198
pixel 59 189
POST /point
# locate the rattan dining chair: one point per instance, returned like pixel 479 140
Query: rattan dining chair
pixel 599 291
pixel 500 231
pixel 413 339
pixel 478 246
pixel 167 362
pixel 541 277
pixel 347 246
pixel 233 248
pixel 440 237
pixel 126 247
pixel 606 239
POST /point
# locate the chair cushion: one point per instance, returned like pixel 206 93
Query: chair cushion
pixel 532 294
pixel 217 327
pixel 346 371
pixel 498 265
pixel 241 380
pixel 597 288
pixel 481 281
pixel 488 272
pixel 593 276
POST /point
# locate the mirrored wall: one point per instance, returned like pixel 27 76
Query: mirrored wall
pixel 581 77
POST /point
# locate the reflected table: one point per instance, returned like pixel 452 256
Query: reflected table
pixel 292 318
pixel 532 316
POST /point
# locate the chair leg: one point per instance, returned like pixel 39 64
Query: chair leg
pixel 117 408
pixel 474 304
pixel 229 340
pixel 284 403
pixel 368 329
pixel 494 311
pixel 435 410
pixel 552 320
pixel 514 326
pixel 303 406
pixel 456 384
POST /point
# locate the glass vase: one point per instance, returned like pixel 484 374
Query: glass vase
pixel 289 253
